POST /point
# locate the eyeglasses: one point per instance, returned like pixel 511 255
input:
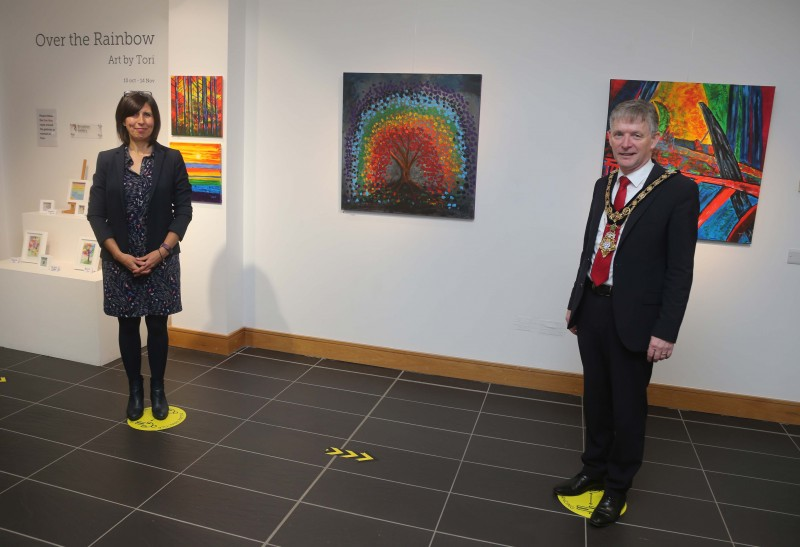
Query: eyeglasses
pixel 129 93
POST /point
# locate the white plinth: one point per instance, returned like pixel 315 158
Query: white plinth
pixel 59 314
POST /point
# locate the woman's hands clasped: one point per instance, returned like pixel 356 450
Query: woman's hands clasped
pixel 140 266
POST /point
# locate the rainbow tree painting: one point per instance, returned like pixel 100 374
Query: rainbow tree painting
pixel 196 106
pixel 410 143
pixel 204 164
pixel 715 134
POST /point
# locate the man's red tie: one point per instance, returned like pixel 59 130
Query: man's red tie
pixel 602 264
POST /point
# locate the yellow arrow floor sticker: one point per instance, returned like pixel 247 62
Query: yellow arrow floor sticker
pixel 362 457
pixel 584 504
pixel 2 379
pixel 148 423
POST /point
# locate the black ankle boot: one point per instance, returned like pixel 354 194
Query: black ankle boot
pixel 158 399
pixel 136 399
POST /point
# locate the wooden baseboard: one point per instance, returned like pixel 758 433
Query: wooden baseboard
pixel 204 341
pixel 730 404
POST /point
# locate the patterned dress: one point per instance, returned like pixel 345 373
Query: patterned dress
pixel 159 292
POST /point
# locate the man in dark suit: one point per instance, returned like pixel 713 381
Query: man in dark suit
pixel 628 301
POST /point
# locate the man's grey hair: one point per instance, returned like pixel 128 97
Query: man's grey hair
pixel 634 111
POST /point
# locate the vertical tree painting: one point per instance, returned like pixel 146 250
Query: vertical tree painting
pixel 410 143
pixel 716 134
pixel 196 106
pixel 204 164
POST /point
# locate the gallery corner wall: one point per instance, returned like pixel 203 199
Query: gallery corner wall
pixel 200 44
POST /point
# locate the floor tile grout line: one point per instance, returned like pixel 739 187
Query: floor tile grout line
pixel 772 454
pixel 708 482
pixel 481 541
pixel 328 465
pixel 742 428
pixel 686 534
pixel 7 416
pixel 752 477
pixel 179 474
pixel 772 511
pixel 431 404
pixel 523 506
pixel 243 351
pixel 34 404
pixel 11 367
pixel 20 481
pixel 791 438
pixel 369 517
pixel 20 534
pixel 196 525
pixel 460 465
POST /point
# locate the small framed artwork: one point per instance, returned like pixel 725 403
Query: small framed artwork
pixel 34 245
pixel 44 261
pixel 88 257
pixel 47 206
pixel 78 190
pixel 80 207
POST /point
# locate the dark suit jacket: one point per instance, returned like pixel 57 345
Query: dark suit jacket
pixel 653 262
pixel 170 207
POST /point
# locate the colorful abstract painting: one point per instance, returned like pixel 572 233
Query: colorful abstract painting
pixel 715 134
pixel 196 106
pixel 410 143
pixel 204 164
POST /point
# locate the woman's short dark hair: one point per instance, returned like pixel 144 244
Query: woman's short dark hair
pixel 129 105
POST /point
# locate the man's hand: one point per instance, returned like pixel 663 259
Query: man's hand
pixel 659 349
pixel 573 330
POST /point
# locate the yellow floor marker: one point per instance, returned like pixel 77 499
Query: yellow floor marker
pixel 148 423
pixel 2 379
pixel 584 504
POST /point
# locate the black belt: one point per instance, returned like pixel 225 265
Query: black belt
pixel 600 290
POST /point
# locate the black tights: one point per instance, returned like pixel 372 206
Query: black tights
pixel 130 345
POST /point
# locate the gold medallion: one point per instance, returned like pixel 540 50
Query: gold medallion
pixel 609 242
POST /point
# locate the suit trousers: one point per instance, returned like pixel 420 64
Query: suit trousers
pixel 615 382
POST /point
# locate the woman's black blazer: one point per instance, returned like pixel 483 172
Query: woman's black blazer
pixel 170 208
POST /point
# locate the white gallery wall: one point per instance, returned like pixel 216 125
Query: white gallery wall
pixel 496 288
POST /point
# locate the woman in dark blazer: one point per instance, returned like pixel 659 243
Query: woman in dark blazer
pixel 140 205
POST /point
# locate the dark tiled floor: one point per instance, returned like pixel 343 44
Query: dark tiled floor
pixel 457 463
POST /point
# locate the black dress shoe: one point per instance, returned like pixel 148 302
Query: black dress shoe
pixel 608 510
pixel 577 485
